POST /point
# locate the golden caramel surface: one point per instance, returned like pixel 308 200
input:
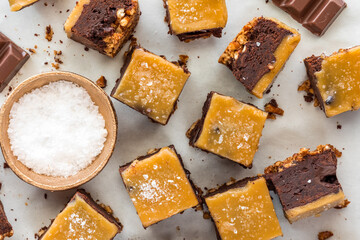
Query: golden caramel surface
pixel 158 187
pixel 80 221
pixel 339 82
pixel 232 129
pixel 195 15
pixel 16 5
pixel 245 213
pixel 151 85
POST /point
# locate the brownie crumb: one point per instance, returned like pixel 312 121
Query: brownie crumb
pixel 338 126
pixel 325 235
pixel 46 63
pixel 6 165
pixel 344 205
pixel 36 35
pixel 273 109
pixel 49 33
pixel 33 51
pixel 178 228
pixel 86 49
pixel 61 41
pixel 45 195
pixel 206 215
pixel 101 82
pixel 0 185
pixel 310 96
pixel 10 88
pixel 45 4
pixel 55 65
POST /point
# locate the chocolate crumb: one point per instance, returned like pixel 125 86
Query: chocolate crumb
pixel 344 205
pixel 36 35
pixel 206 215
pixel 86 49
pixel 61 41
pixel 45 195
pixel 101 82
pixel 49 33
pixel 338 126
pixel 45 4
pixel 46 63
pixel 6 165
pixel 10 88
pixel 325 235
pixel 273 108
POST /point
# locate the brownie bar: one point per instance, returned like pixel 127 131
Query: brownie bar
pixel 88 199
pixel 6 229
pixel 306 183
pixel 315 15
pixel 12 58
pixel 103 25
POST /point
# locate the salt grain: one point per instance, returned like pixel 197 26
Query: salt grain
pixel 56 129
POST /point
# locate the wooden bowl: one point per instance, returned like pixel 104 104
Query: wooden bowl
pixel 106 109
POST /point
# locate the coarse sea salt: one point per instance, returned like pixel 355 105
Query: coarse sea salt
pixel 56 129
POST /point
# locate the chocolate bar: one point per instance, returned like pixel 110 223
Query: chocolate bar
pixel 315 15
pixel 12 58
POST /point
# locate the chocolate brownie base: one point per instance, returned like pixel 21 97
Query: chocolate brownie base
pixel 6 229
pixel 253 63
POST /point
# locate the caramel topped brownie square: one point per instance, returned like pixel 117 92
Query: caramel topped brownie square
pixel 243 211
pixel 6 229
pixel 83 218
pixel 306 183
pixel 158 185
pixel 259 52
pixel 16 5
pixel 228 128
pixel 192 19
pixel 103 25
pixel 336 80
pixel 150 84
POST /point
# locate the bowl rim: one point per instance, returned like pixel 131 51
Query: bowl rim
pixel 8 103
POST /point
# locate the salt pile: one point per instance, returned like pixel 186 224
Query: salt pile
pixel 56 129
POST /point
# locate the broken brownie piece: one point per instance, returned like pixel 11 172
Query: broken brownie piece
pixel 103 25
pixel 16 5
pixel 190 20
pixel 150 84
pixel 335 80
pixel 243 210
pixel 228 128
pixel 6 229
pixel 306 183
pixel 158 185
pixel 259 52
pixel 83 218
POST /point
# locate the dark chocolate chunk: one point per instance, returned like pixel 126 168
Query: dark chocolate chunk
pixel 315 15
pixel 253 63
pixel 12 58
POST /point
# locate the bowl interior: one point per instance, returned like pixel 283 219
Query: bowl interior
pixel 59 183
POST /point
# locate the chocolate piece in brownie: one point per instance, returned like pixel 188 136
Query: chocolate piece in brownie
pixel 6 229
pixel 103 25
pixel 158 185
pixel 16 5
pixel 190 20
pixel 228 128
pixel 315 15
pixel 306 183
pixel 259 52
pixel 150 84
pixel 243 210
pixel 12 58
pixel 335 80
pixel 83 218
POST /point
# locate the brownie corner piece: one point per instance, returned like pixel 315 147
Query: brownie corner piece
pixel 228 128
pixel 150 84
pixel 103 25
pixel 256 209
pixel 335 80
pixel 82 218
pixel 306 183
pixel 159 181
pixel 190 20
pixel 6 229
pixel 259 52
